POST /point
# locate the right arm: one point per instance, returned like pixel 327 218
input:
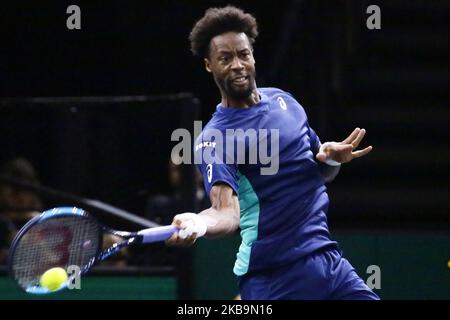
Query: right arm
pixel 223 216
pixel 221 219
pixel 221 182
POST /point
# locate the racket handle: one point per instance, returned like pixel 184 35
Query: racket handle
pixel 157 234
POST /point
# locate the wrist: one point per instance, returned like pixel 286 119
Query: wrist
pixel 329 162
pixel 194 223
pixel 201 225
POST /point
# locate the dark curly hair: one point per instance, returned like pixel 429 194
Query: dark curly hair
pixel 217 21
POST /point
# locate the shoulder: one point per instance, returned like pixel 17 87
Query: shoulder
pixel 276 94
pixel 210 129
pixel 272 92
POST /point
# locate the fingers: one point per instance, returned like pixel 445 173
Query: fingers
pixel 335 151
pixel 186 235
pixel 321 156
pixel 360 153
pixel 176 240
pixel 343 152
pixel 177 221
pixel 172 240
pixel 355 137
pixel 352 136
pixel 359 137
pixel 342 148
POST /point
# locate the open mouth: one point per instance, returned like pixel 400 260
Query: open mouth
pixel 240 80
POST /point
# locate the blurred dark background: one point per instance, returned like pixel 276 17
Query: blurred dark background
pixel 394 82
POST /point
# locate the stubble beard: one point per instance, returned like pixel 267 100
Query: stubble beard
pixel 236 93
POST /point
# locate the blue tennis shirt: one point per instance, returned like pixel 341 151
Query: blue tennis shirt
pixel 283 214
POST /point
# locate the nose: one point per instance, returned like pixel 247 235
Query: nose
pixel 237 64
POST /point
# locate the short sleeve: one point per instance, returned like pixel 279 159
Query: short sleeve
pixel 315 141
pixel 214 164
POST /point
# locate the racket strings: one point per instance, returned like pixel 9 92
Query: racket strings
pixel 56 242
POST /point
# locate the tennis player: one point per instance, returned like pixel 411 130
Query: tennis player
pixel 286 250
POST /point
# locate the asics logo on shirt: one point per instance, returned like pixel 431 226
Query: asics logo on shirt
pixel 282 103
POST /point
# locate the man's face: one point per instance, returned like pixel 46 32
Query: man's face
pixel 232 64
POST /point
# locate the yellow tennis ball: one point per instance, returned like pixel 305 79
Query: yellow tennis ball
pixel 53 278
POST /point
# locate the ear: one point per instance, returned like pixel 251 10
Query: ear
pixel 207 65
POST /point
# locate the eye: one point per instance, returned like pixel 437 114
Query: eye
pixel 245 55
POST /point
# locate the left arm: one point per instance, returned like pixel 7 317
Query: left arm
pixel 329 170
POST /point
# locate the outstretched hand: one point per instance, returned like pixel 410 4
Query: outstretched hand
pixel 343 152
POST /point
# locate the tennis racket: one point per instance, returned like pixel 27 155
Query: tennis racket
pixel 66 236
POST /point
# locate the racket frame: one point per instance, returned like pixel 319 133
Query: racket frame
pixel 129 238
